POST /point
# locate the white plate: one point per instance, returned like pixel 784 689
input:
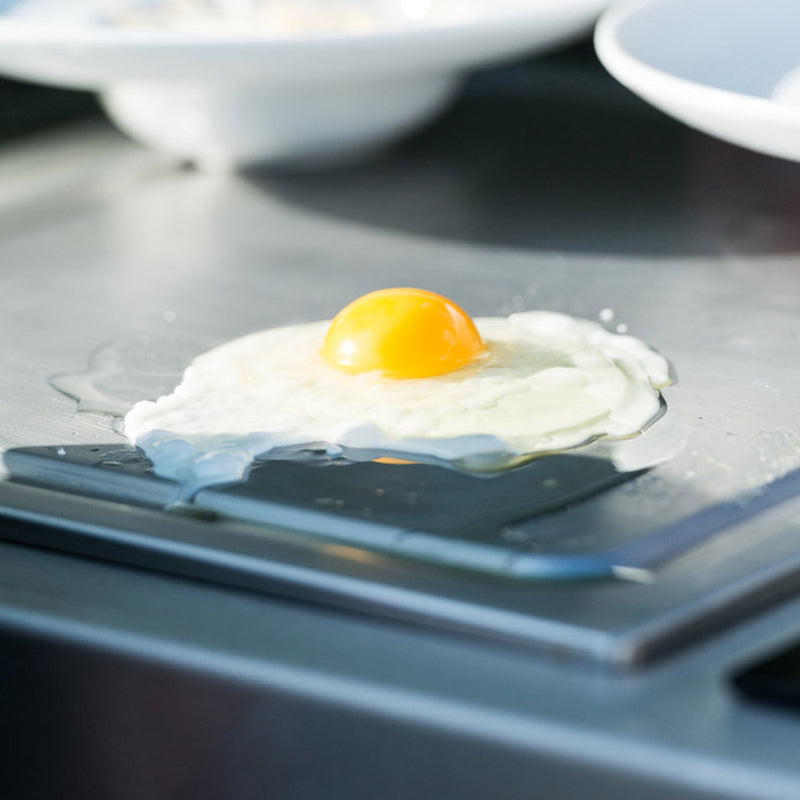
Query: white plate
pixel 232 94
pixel 725 67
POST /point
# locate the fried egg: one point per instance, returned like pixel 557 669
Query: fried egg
pixel 402 373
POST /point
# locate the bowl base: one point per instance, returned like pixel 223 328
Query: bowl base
pixel 302 127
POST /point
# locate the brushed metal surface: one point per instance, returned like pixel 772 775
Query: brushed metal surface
pixel 691 243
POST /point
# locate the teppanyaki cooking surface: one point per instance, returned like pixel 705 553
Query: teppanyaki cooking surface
pixel 103 242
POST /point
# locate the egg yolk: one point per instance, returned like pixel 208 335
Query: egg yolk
pixel 402 333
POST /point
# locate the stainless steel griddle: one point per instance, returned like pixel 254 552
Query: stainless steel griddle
pixel 394 631
pixel 102 242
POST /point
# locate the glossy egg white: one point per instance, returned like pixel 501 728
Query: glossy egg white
pixel 550 383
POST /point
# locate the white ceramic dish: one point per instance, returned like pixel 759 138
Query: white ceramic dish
pixel 233 94
pixel 726 67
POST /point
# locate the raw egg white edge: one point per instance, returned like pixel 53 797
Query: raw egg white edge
pixel 198 459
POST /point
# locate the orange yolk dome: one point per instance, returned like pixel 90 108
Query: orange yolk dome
pixel 402 333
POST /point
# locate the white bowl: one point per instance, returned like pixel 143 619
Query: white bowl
pixel 727 68
pixel 231 96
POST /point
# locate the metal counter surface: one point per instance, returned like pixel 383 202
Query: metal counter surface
pixel 546 186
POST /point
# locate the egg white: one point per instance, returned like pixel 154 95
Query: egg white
pixel 550 383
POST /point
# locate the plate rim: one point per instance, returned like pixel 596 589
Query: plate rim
pixel 18 31
pixel 659 86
